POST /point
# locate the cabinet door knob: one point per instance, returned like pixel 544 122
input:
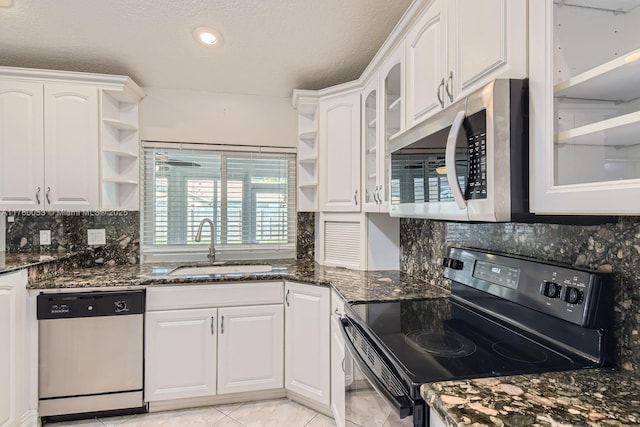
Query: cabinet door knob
pixel 441 89
pixel 47 195
pixel 446 87
pixel 38 195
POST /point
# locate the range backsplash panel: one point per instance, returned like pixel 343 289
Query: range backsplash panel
pixel 69 233
pixel 611 248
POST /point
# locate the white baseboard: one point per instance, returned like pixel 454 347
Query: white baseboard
pixel 225 399
pixel 309 403
pixel 30 419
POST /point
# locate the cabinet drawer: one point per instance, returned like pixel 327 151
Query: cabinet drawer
pixel 213 295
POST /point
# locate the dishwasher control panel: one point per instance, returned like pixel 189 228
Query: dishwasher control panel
pixel 90 304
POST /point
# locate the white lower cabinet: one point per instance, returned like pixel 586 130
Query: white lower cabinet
pixel 338 362
pixel 207 340
pixel 250 348
pixel 13 357
pixel 180 354
pixel 337 373
pixel 307 341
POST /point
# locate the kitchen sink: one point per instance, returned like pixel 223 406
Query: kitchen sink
pixel 220 269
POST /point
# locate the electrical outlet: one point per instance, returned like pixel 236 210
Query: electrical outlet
pixel 96 236
pixel 45 237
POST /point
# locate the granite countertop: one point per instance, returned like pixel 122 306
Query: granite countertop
pixel 354 286
pixel 588 397
pixel 17 261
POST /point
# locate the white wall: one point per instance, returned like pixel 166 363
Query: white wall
pixel 199 116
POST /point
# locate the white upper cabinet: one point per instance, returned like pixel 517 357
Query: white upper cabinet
pixel 340 152
pixel 61 148
pixel 585 113
pixel 427 63
pixel 306 103
pixel 21 145
pixel 372 145
pixel 71 175
pixel 488 39
pixel 457 46
pixel 383 115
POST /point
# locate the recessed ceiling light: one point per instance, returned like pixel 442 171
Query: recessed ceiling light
pixel 207 36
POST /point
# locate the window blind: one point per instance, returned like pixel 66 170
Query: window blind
pixel 248 195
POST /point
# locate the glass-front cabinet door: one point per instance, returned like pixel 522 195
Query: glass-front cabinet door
pixel 585 106
pixel 371 146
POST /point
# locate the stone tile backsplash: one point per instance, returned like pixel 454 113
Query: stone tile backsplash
pixel 306 236
pixel 613 248
pixel 69 233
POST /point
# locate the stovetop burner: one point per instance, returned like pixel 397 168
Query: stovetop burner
pixel 446 344
pixel 520 352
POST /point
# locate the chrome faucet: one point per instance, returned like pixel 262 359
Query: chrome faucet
pixel 212 248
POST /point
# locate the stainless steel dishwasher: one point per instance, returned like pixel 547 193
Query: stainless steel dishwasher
pixel 90 353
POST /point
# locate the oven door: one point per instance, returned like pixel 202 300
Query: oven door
pixel 371 378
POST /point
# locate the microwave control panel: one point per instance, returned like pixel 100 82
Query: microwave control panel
pixel 477 181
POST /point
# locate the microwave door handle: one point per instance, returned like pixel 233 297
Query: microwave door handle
pixel 402 404
pixel 450 160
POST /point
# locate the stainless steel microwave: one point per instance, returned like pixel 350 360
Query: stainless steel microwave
pixel 469 162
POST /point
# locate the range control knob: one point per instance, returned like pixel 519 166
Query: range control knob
pixel 573 295
pixel 452 263
pixel 456 264
pixel 551 289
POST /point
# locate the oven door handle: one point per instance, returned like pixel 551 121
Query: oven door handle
pixel 402 404
pixel 450 160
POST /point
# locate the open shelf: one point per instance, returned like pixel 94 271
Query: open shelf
pixel 308 160
pixel 308 135
pixel 610 5
pixel 121 153
pixel 120 124
pixel 119 141
pixel 619 131
pixel 117 180
pixel 394 104
pixel 308 184
pixel 616 80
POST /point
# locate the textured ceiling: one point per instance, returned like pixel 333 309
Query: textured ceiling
pixel 270 46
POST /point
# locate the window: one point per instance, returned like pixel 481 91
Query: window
pixel 249 196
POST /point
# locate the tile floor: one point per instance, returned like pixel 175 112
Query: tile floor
pixel 269 413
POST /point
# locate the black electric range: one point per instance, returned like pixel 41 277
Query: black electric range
pixel 506 316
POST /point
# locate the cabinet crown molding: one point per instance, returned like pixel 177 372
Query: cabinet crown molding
pixel 113 83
